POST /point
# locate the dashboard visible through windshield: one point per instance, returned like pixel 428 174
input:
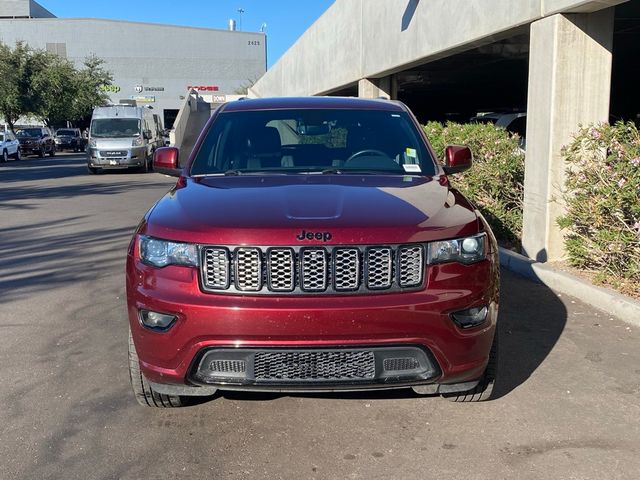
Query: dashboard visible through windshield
pixel 115 127
pixel 313 141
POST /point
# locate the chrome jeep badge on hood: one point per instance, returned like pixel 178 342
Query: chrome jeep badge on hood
pixel 304 235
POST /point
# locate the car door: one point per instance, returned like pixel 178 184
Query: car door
pixel 47 139
pixel 13 144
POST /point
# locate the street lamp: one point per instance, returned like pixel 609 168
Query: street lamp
pixel 240 12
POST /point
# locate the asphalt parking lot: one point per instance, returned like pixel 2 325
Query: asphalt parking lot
pixel 568 405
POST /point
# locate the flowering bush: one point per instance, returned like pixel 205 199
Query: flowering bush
pixel 602 195
pixel 495 183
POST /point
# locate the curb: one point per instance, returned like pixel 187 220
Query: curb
pixel 607 300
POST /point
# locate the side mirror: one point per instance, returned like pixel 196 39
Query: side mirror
pixel 458 158
pixel 147 134
pixel 165 160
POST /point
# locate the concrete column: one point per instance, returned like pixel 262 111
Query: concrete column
pixel 378 87
pixel 569 84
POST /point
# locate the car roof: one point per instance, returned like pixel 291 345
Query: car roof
pixel 338 103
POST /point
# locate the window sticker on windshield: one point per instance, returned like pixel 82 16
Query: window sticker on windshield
pixel 411 152
pixel 412 167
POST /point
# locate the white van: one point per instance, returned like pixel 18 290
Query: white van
pixel 121 136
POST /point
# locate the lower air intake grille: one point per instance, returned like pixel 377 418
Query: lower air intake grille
pixel 228 366
pixel 399 364
pixel 318 366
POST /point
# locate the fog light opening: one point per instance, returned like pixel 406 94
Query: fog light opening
pixel 156 320
pixel 471 317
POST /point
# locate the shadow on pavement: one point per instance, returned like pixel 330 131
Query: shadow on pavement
pixel 52 258
pixel 532 318
pixel 33 169
pixel 17 177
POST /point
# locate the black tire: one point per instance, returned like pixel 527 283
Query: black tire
pixel 18 155
pixel 52 152
pixel 5 156
pixel 41 152
pixel 143 392
pixel 145 168
pixel 483 391
pixel 92 170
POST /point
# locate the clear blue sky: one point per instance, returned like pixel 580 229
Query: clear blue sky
pixel 286 19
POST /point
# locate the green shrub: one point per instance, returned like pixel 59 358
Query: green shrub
pixel 496 182
pixel 602 195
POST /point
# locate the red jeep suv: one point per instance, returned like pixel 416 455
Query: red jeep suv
pixel 312 244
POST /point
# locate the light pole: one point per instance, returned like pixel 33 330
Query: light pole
pixel 240 12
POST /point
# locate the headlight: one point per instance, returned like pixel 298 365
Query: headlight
pixel 160 253
pixel 137 142
pixel 92 143
pixel 464 250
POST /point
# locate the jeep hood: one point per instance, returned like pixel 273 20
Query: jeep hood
pixel 273 209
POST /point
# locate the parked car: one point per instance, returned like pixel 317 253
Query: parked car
pixel 121 137
pixel 9 146
pixel 312 244
pixel 513 122
pixel 70 139
pixel 36 141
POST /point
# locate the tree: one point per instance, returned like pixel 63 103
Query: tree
pixel 90 83
pixel 54 87
pixel 15 82
pixel 38 83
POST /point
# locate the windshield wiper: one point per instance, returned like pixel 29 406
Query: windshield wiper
pixel 354 171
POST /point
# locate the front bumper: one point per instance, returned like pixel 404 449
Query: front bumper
pixel 246 325
pixel 66 144
pixel 31 149
pixel 117 157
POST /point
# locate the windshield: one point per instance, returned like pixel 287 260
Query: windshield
pixel 66 133
pixel 29 132
pixel 1 137
pixel 115 127
pixel 313 141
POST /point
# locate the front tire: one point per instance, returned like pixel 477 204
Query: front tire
pixel 41 153
pixel 5 156
pixel 52 152
pixel 144 168
pixel 483 391
pixel 143 392
pixel 18 155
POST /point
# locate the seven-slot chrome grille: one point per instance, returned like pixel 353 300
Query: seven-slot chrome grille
pixel 312 270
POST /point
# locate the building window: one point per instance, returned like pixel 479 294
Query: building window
pixel 59 49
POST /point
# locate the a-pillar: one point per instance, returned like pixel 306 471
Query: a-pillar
pixel 378 87
pixel 569 84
